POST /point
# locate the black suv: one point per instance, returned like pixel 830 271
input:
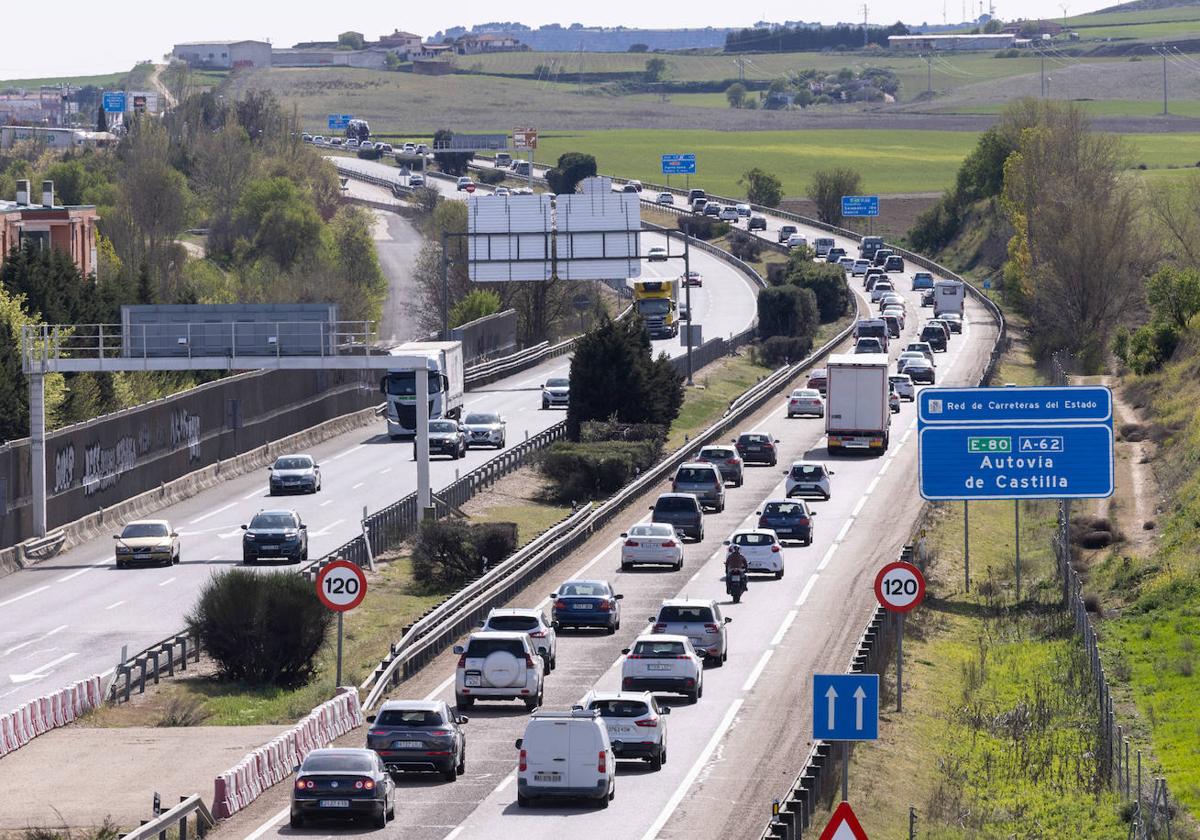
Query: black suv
pixel 275 533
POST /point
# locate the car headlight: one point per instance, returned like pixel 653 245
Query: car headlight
pixel 122 549
pixel 248 537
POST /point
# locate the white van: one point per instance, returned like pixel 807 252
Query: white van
pixel 566 755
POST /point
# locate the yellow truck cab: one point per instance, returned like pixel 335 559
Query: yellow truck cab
pixel 656 302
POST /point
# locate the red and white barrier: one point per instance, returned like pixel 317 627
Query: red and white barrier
pixel 271 763
pixel 50 711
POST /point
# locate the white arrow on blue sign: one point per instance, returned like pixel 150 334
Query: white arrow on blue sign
pixel 845 707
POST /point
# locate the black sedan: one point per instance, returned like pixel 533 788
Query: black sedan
pixel 789 519
pixel 919 371
pixel 447 437
pixel 757 448
pixel 419 736
pixel 343 784
pixel 274 534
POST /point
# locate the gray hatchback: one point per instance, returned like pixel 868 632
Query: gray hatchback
pixel 703 481
pixel 683 511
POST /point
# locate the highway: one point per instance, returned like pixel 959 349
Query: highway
pixel 68 618
pixel 741 744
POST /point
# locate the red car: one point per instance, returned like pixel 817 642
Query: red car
pixel 818 379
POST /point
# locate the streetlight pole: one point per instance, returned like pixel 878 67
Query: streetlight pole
pixel 445 291
pixel 687 294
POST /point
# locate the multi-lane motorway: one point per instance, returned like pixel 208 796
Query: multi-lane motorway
pixel 68 618
pixel 740 745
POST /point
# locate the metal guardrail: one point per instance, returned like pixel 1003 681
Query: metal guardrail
pixel 176 818
pixel 176 649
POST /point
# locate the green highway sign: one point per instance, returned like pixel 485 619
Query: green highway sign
pixel 977 445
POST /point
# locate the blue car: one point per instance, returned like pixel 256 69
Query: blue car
pixel 586 603
pixel 922 280
pixel 790 519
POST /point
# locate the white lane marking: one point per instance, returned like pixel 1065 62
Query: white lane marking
pixel 777 639
pixel 114 606
pixel 842 533
pixel 346 452
pixel 508 780
pixel 356 486
pixel 758 669
pixel 326 502
pixel 446 683
pixel 807 590
pixel 858 507
pixel 685 786
pixel 228 535
pixel 385 470
pixel 269 824
pixel 168 580
pixel 42 671
pixel 212 513
pixel 253 495
pixel 214 558
pixel 32 641
pixel 95 565
pixel 871 487
pixel 886 464
pixel 25 595
pixel 327 528
pixel 454 833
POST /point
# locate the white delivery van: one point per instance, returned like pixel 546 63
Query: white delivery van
pixel 566 755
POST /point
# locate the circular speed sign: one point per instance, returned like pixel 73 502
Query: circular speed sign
pixel 341 585
pixel 899 587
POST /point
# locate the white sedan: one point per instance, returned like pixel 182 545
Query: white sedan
pixel 652 544
pixel 806 401
pixel 902 384
pixel 761 549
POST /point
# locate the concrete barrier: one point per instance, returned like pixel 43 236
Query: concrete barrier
pixel 50 711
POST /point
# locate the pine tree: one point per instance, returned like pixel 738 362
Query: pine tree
pixel 145 290
pixel 101 119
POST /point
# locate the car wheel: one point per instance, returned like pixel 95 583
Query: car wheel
pixel 679 566
pixel 462 762
pixel 625 567
pixel 120 564
pixel 827 497
pixel 773 462
pixel 779 575
pixel 523 801
pixel 790 415
pixel 176 560
pixel 391 811
pixel 532 703
pixel 693 696
pixel 715 661
pixel 170 561
pixel 249 561
pixel 270 491
pixel 463 703
pixel 451 773
pixel 553 662
pixel 296 821
pixel 700 690
pixel 721 507
pixel 662 758
pixel 381 818
pixel 545 405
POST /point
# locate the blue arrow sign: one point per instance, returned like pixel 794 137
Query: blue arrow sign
pixel 114 102
pixel 860 205
pixel 845 707
pixel 679 164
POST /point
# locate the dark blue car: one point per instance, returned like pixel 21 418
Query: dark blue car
pixel 922 280
pixel 586 603
pixel 790 519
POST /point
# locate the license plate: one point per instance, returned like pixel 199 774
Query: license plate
pixel 334 803
pixel 547 777
pixel 269 549
pixel 472 680
pixel 582 606
pixel 408 745
pixel 653 667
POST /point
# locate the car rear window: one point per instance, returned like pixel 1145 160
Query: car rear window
pixel 513 623
pixel 658 650
pixel 717 453
pixel 744 439
pixel 338 763
pixel 619 708
pixel 695 475
pixel 481 648
pixel 652 530
pixel 674 503
pixel 670 614
pixel 584 590
pixel 807 471
pixel 752 539
pixel 409 717
pixel 783 509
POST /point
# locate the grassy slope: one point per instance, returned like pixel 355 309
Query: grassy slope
pixel 105 80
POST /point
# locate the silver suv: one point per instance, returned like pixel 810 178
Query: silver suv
pixel 700 620
pixel 727 461
pixel 702 480
pixel 498 666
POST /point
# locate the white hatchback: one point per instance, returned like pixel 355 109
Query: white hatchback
pixel 530 621
pixel 761 548
pixel 663 662
pixel 807 478
pixel 636 723
pixel 806 401
pixel 652 544
pixel 903 386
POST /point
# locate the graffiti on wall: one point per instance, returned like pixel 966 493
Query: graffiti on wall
pixel 102 467
pixel 185 429
pixel 64 468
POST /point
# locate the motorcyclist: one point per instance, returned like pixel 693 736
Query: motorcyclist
pixel 735 563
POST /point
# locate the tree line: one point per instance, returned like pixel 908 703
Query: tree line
pixel 810 38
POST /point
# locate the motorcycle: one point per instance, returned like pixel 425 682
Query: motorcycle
pixel 735 585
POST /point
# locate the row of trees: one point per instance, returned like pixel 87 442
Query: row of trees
pixel 810 38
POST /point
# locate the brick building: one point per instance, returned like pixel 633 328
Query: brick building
pixel 49 225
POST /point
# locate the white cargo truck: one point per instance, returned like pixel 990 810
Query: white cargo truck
pixel 948 296
pixel 857 414
pixel 444 360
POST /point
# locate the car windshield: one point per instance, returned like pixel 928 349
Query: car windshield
pixel 658 650
pixel 680 613
pixel 584 590
pixel 481 419
pixel 409 717
pixel 674 503
pixel 695 475
pixel 619 708
pixel 144 529
pixel 717 454
pixel 482 648
pixel 273 520
pixel 557 383
pixel 338 763
pixel 654 306
pixel 652 530
pixel 754 439
pixel 752 539
pixel 807 471
pixel 293 463
pixel 513 623
pixel 783 509
pixel 404 383
pixel 443 426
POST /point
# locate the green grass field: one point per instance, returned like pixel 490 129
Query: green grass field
pixel 105 80
pixel 1145 23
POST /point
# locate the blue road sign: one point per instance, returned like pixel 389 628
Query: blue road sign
pixel 337 121
pixel 114 102
pixel 860 205
pixel 1015 443
pixel 845 707
pixel 679 164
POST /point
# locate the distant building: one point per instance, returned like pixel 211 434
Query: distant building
pixel 49 225
pixel 489 42
pixel 434 51
pixel 55 138
pixel 401 43
pixel 951 43
pixel 372 58
pixel 224 55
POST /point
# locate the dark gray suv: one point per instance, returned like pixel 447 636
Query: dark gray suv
pixel 420 736
pixel 681 510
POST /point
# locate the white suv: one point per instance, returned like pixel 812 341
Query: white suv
pixel 663 662
pixel 498 666
pixel 531 622
pixel 761 549
pixel 636 723
pixel 699 620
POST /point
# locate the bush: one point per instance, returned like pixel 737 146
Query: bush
pixel 935 227
pixel 448 552
pixel 596 431
pixel 491 176
pixel 579 472
pixel 494 541
pixel 826 282
pixel 703 227
pixel 261 629
pixel 744 246
pixel 787 311
pixel 1148 348
pixel 779 350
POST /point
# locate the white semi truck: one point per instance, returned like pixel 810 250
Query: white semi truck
pixel 444 360
pixel 857 414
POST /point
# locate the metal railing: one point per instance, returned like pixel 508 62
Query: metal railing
pixel 173 651
pixel 176 818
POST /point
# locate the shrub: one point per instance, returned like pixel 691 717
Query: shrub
pixel 935 227
pixel 261 629
pixel 826 282
pixel 370 154
pixel 494 541
pixel 596 431
pixel 744 246
pixel 779 350
pixel 787 311
pixel 443 556
pixel 491 176
pixel 579 472
pixel 1148 348
pixel 703 227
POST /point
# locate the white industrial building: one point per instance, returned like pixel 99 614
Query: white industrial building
pixel 224 55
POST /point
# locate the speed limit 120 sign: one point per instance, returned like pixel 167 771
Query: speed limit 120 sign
pixel 899 587
pixel 341 585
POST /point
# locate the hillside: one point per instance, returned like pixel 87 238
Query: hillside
pixel 1147 5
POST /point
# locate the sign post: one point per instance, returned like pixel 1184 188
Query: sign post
pixel 899 587
pixel 341 586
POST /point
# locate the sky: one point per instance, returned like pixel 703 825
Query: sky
pixel 74 37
